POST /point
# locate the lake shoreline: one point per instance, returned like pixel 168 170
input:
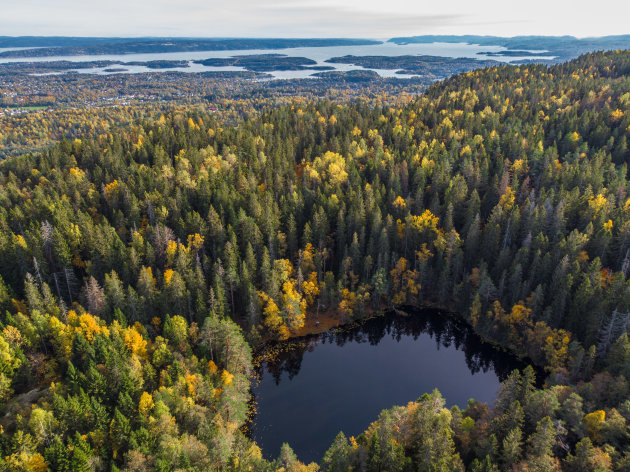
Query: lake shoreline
pixel 328 322
pixel 411 350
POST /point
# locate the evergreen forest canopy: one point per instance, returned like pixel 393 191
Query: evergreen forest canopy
pixel 139 265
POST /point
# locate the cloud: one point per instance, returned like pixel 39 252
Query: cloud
pixel 306 20
pixel 194 18
pixel 303 18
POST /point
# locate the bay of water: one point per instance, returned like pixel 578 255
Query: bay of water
pixel 318 54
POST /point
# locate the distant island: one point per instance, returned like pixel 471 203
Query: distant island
pixel 428 66
pixel 262 62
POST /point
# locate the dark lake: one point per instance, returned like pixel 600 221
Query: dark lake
pixel 341 380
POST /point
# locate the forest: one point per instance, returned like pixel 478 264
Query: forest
pixel 41 110
pixel 142 265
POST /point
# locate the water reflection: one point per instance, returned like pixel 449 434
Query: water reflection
pixel 442 328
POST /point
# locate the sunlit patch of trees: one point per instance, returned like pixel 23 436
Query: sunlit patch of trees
pixel 36 111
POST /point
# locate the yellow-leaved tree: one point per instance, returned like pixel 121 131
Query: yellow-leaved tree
pixel 404 283
pixel 310 288
pixel 271 316
pixel 331 168
pixel 294 305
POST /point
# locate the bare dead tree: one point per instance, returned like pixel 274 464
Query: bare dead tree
pixel 95 296
pixel 611 330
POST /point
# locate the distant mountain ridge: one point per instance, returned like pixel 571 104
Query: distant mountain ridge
pixel 565 47
pixel 67 46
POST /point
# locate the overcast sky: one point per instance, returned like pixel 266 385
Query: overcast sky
pixel 311 18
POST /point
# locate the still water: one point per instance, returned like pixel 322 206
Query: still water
pixel 341 380
pixel 318 54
